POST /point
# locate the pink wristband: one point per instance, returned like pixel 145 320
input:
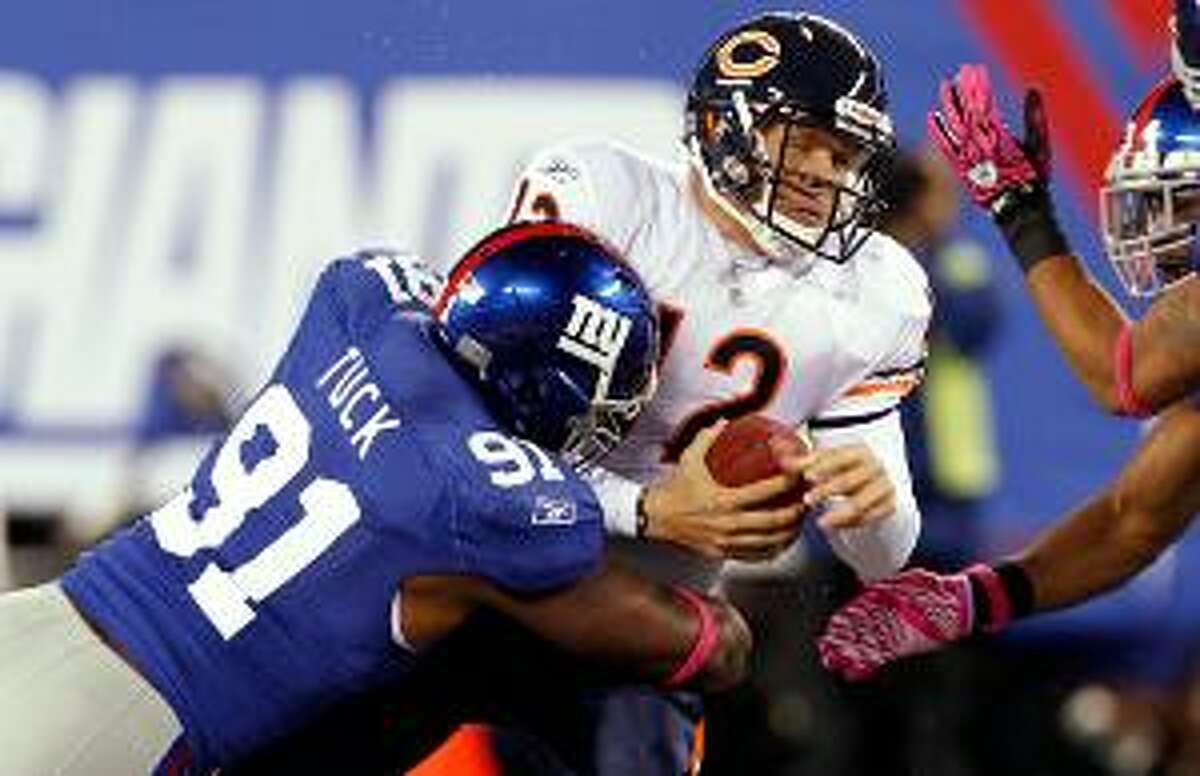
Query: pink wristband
pixel 1000 607
pixel 1128 402
pixel 706 641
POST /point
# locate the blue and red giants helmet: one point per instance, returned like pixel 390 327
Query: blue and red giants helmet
pixel 1150 202
pixel 557 333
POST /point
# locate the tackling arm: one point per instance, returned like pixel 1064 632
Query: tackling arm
pixel 646 631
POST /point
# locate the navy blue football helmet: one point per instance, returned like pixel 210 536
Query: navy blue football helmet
pixel 1150 202
pixel 557 333
pixel 797 70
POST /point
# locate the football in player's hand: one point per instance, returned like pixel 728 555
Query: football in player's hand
pixel 743 454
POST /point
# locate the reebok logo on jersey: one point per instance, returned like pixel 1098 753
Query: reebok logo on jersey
pixel 560 170
pixel 548 510
pixel 597 335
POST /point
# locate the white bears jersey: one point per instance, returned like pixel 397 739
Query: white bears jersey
pixel 804 341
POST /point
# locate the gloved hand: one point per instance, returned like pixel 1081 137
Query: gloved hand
pixel 986 156
pixel 1006 175
pixel 915 612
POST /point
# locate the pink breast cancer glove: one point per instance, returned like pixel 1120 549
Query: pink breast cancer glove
pixel 988 159
pixel 912 613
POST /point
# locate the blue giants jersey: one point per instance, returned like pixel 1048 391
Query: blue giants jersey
pixel 263 591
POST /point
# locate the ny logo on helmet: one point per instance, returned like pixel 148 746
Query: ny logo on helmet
pixel 595 334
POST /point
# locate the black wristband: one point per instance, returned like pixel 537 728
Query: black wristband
pixel 1017 586
pixel 643 520
pixel 1026 219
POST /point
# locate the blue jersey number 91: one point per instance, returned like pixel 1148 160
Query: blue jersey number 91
pixel 329 509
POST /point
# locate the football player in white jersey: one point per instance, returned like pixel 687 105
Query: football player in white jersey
pixel 775 294
pixel 776 297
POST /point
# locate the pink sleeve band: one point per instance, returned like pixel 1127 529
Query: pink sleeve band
pixel 1128 402
pixel 999 605
pixel 706 641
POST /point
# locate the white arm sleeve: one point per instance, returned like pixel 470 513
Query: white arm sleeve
pixel 618 498
pixel 869 412
pixel 881 548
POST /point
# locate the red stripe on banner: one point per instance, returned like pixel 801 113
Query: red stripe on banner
pixel 1144 25
pixel 1030 42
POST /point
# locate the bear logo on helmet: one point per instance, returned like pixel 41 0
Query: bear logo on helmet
pixel 749 54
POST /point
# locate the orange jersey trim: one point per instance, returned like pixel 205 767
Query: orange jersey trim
pixel 901 385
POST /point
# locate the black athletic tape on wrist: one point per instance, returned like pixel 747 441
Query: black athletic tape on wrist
pixel 1027 221
pixel 1018 590
pixel 1019 586
pixel 642 519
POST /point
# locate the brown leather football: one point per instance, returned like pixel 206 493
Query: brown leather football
pixel 741 454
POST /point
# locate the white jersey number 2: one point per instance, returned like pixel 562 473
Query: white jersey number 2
pixel 330 508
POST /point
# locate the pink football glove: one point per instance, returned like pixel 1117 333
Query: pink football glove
pixel 912 613
pixel 986 156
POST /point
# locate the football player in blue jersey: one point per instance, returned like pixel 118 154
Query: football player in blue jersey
pixel 1150 214
pixel 403 471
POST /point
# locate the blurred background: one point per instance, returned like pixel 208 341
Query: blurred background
pixel 173 175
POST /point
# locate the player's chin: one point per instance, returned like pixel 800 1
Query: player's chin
pixel 807 214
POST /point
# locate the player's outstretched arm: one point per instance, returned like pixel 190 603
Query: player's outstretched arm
pixel 1121 531
pixel 643 631
pixel 671 636
pixel 1129 368
pixel 1094 549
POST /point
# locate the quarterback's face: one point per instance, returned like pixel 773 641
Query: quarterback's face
pixel 816 162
